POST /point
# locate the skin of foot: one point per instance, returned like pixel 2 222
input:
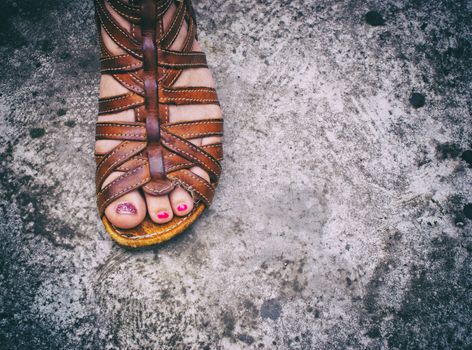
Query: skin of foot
pixel 130 210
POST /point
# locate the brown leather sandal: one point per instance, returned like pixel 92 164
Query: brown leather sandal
pixel 154 155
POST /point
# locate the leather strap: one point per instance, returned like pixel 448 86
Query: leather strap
pixel 132 81
pixel 188 95
pixel 120 131
pixel 114 159
pixel 182 60
pixel 117 33
pixel 119 103
pixel 196 129
pixel 119 64
pixel 128 11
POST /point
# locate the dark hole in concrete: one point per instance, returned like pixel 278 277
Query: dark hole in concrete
pixel 468 211
pixel 417 100
pixel 348 281
pixel 246 338
pixel 37 133
pixel 374 18
pixel 467 157
pixel 70 123
pixel 374 332
pixel 448 151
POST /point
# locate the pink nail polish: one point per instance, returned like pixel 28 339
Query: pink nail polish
pixel 162 215
pixel 182 207
pixel 126 208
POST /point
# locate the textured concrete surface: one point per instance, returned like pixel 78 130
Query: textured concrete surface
pixel 342 220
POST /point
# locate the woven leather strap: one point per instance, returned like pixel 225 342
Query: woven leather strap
pixel 154 155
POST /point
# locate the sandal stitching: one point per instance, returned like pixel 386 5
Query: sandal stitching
pixel 112 166
pixel 195 148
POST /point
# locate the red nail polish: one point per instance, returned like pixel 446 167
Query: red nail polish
pixel 126 208
pixel 182 207
pixel 162 215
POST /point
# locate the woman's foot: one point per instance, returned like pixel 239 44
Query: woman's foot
pixel 129 210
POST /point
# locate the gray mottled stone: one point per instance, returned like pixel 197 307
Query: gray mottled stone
pixel 339 221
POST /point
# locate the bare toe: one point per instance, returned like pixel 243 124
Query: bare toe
pixel 159 208
pixel 127 211
pixel 181 201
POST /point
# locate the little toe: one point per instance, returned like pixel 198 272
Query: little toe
pixel 181 201
pixel 159 208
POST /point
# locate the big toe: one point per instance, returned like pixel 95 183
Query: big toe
pixel 127 211
pixel 159 208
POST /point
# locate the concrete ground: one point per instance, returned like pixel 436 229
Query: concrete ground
pixel 343 219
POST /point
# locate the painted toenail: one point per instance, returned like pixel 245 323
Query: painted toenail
pixel 126 208
pixel 182 207
pixel 162 215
